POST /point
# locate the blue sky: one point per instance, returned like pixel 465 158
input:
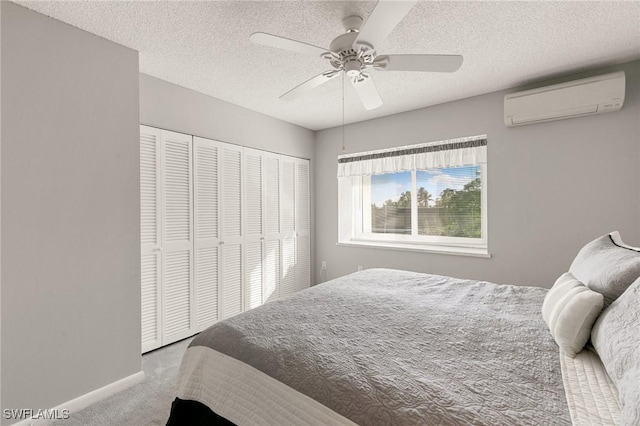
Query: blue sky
pixel 391 185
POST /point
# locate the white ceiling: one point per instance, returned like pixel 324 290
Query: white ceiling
pixel 205 46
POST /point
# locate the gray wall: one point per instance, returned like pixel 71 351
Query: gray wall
pixel 0 208
pixel 70 211
pixel 168 106
pixel 552 187
pixel 176 108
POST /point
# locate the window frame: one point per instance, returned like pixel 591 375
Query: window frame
pixel 361 235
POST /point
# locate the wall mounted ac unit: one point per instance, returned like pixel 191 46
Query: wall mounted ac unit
pixel 593 95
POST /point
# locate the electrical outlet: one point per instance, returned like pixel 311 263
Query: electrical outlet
pixel 359 268
pixel 324 264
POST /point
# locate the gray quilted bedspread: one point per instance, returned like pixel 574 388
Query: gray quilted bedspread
pixel 386 347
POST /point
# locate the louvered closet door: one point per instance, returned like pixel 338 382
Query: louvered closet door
pixel 206 155
pixel 303 226
pixel 253 228
pixel 231 289
pixel 288 225
pixel 178 321
pixel 150 220
pixel 272 246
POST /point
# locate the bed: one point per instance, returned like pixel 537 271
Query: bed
pixel 389 347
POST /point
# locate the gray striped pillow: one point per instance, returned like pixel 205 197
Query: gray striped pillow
pixel 570 309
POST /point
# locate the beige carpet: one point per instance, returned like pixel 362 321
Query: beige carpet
pixel 147 403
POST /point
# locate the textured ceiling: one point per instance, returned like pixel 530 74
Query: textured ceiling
pixel 205 46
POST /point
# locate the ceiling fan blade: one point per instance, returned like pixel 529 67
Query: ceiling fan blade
pixel 286 44
pixel 367 93
pixel 384 18
pixel 426 63
pixel 310 84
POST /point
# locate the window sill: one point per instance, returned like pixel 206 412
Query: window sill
pixel 456 251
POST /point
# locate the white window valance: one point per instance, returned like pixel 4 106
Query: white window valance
pixel 450 153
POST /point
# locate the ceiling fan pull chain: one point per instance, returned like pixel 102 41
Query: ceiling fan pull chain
pixel 344 148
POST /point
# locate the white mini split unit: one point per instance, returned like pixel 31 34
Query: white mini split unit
pixel 593 95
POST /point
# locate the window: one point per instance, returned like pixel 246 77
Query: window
pixel 389 196
pixel 422 197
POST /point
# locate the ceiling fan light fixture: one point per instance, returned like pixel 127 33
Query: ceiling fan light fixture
pixel 353 67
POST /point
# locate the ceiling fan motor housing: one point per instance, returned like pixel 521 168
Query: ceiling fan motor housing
pixel 352 23
pixel 343 42
pixel 350 56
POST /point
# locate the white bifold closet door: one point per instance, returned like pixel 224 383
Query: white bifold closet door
pixel 303 226
pixel 272 235
pixel 231 294
pixel 177 250
pixel 224 229
pixel 206 154
pixel 150 239
pixel 253 228
pixel 288 224
pixel 166 237
pixel 295 221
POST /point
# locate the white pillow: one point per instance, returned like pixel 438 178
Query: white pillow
pixel 570 308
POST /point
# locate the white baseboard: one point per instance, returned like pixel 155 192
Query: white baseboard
pixel 88 399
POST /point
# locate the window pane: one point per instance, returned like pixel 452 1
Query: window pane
pixel 391 203
pixel 449 202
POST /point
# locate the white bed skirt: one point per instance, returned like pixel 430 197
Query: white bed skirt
pixel 245 395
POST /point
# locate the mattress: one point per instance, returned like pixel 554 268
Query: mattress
pixel 591 395
pixel 380 347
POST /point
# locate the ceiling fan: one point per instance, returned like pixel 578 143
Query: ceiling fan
pixel 354 53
